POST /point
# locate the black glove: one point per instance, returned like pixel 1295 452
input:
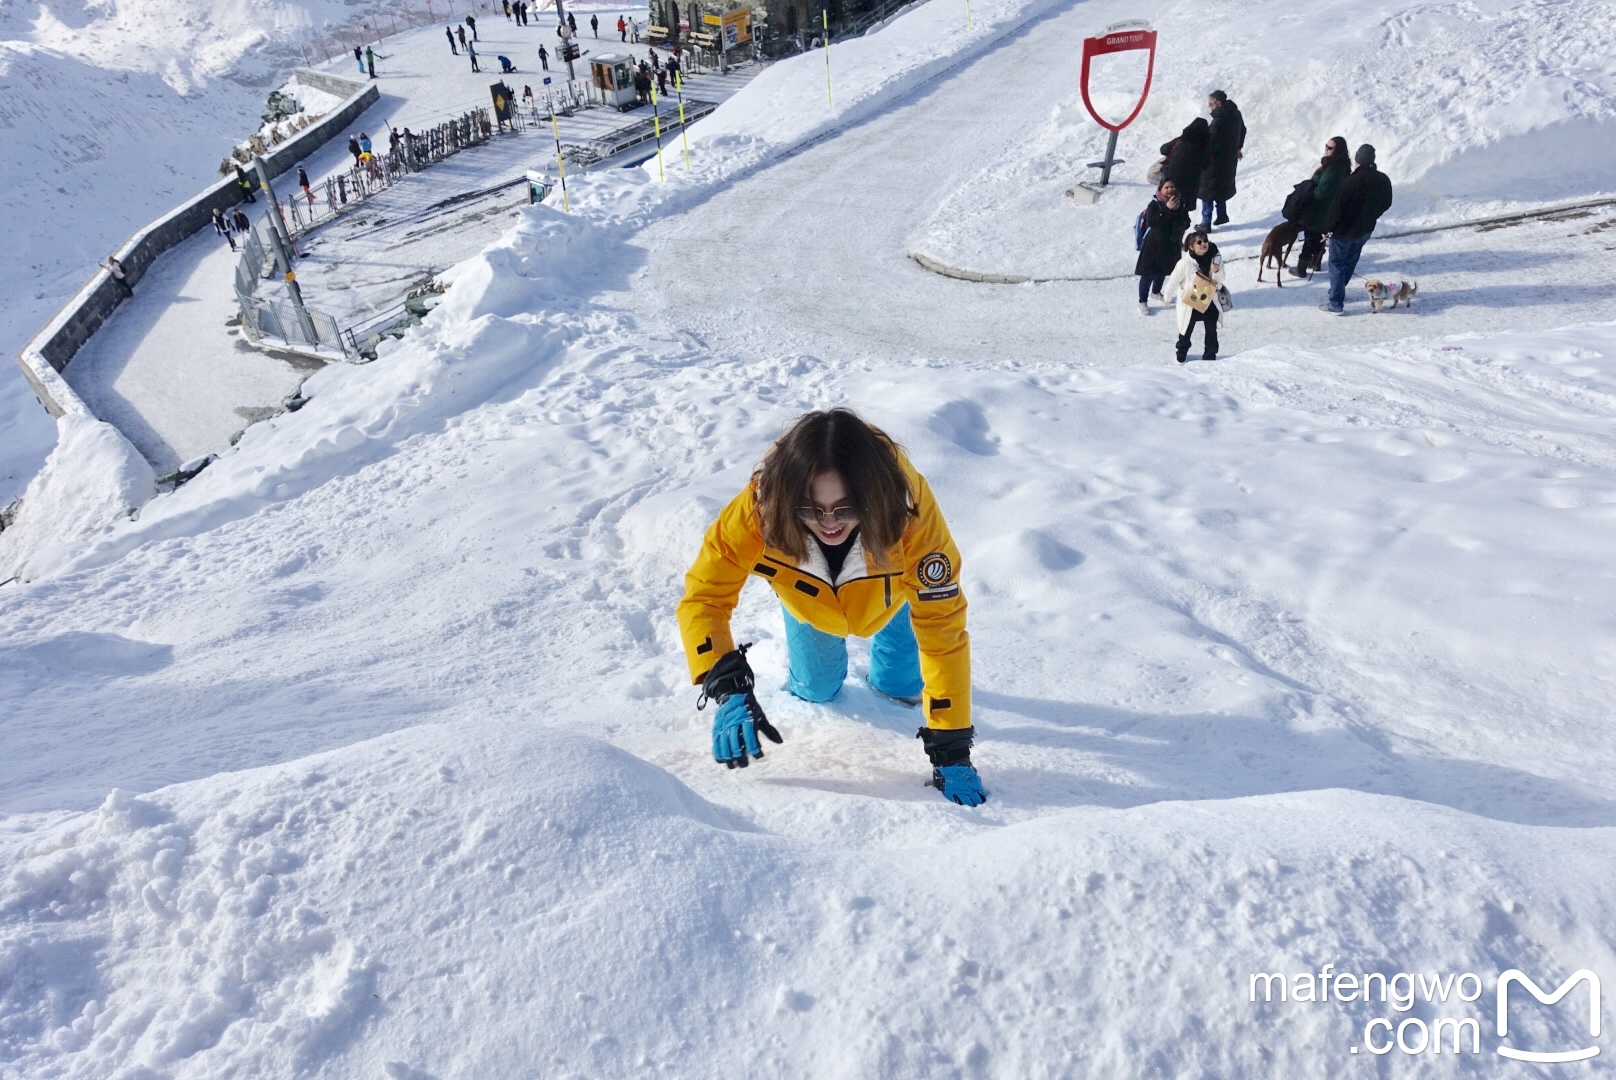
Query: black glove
pixel 740 718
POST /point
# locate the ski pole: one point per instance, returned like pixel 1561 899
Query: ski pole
pixel 561 162
pixel 679 88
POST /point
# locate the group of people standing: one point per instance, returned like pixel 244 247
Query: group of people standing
pixel 229 224
pixel 1179 264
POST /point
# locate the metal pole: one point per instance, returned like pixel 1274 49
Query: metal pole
pixel 561 21
pixel 1110 159
pixel 284 257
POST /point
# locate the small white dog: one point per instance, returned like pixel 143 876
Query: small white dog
pixel 1398 289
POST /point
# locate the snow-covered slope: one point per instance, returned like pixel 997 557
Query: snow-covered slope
pixel 1475 109
pixel 1299 658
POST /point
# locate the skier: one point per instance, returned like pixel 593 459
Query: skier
pixel 1201 257
pixel 450 35
pixel 354 148
pixel 471 51
pixel 222 227
pixel 359 58
pixel 1162 225
pixel 622 28
pixel 471 24
pixel 460 32
pixel 594 25
pixel 370 60
pixel 1364 196
pixel 544 57
pixel 1327 179
pixel 848 534
pixel 1225 147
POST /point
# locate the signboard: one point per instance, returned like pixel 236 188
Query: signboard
pixel 734 27
pixel 1121 38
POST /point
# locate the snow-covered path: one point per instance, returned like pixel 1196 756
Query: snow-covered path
pixel 854 206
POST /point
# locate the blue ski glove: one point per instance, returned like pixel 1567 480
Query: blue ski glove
pixel 952 773
pixel 739 718
pixel 959 783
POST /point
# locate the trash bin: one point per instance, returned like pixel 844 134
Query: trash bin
pixel 613 76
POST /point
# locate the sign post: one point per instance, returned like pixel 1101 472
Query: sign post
pixel 1122 37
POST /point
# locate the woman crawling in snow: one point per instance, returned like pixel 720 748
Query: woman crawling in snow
pixel 849 536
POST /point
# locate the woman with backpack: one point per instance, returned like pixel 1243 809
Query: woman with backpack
pixel 1332 172
pixel 1201 259
pixel 848 534
pixel 1158 234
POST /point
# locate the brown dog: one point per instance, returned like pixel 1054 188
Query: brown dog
pixel 1277 246
pixel 1397 290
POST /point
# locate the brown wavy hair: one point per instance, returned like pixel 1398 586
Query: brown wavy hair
pixel 836 440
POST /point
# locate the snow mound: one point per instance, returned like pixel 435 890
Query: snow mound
pixel 92 478
pixel 1468 106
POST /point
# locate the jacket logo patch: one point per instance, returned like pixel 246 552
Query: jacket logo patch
pixel 947 592
pixel 935 570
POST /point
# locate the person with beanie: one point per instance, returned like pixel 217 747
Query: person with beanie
pixel 1358 205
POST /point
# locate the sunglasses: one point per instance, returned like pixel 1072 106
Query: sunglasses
pixel 836 515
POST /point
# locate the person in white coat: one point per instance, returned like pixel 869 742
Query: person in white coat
pixel 1201 256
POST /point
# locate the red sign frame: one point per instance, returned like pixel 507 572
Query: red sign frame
pixel 1118 41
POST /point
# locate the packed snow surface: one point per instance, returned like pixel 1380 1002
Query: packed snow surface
pixel 371 750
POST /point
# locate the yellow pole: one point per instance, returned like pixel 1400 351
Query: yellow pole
pixel 679 88
pixel 967 16
pixel 824 21
pixel 561 163
pixel 656 126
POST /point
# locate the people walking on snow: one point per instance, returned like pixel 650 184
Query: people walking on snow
pixel 222 227
pixel 594 25
pixel 844 529
pixel 662 82
pixel 1327 180
pixel 303 182
pixel 460 32
pixel 246 185
pixel 1363 198
pixel 544 58
pixel 1186 160
pixel 622 28
pixel 370 60
pixel 673 69
pixel 471 24
pixel 1195 282
pixel 448 33
pixel 364 143
pixel 1161 228
pixel 354 148
pixel 238 218
pixel 507 4
pixel 572 24
pixel 1226 140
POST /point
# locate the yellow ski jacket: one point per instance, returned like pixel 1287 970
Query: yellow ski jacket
pixel 923 571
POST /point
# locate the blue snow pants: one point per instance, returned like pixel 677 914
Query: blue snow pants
pixel 818 660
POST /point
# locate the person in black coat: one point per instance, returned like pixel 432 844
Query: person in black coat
pixel 1327 179
pixel 1226 141
pixel 1166 219
pixel 1186 157
pixel 450 35
pixel 1363 198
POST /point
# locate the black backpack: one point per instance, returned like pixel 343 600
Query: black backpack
pixel 1299 203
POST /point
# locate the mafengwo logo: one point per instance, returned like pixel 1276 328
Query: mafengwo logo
pixel 1450 992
